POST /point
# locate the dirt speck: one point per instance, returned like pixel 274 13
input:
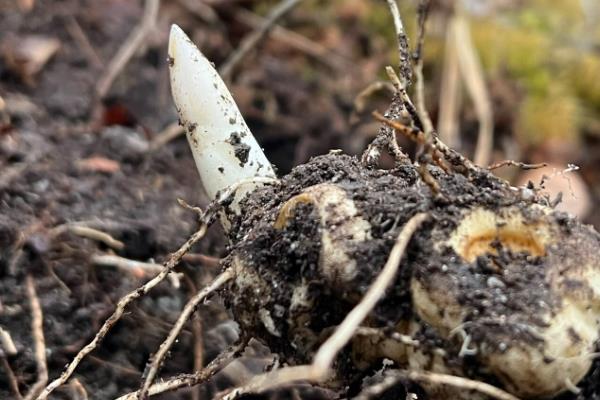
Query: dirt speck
pixel 241 150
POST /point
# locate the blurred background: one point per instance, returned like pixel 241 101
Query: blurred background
pixel 89 137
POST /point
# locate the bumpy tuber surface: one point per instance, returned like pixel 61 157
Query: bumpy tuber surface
pixel 496 286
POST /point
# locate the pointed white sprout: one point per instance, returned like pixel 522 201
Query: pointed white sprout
pixel 223 147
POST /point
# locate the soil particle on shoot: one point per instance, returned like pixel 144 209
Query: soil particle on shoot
pixel 240 150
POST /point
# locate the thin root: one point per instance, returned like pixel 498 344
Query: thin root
pixel 12 379
pixel 395 376
pixel 518 164
pixel 189 308
pixel 8 346
pixel 37 328
pixel 188 380
pixel 135 267
pixel 89 233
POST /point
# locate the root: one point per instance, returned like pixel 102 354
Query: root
pixel 189 308
pixel 395 376
pixel 12 379
pixel 78 390
pixel 80 229
pixel 134 267
pixel 320 369
pixel 197 329
pixel 187 380
pixel 37 328
pixel 7 344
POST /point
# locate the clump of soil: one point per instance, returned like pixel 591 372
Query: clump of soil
pixel 281 265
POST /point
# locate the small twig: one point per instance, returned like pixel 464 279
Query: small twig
pixel 421 139
pixel 403 48
pixel 8 346
pixel 89 233
pixel 518 164
pixel 188 380
pixel 473 77
pixel 450 93
pixel 131 296
pixel 255 37
pixel 320 368
pixel 129 47
pixel 437 147
pixel 78 390
pixel 82 40
pixel 419 79
pixel 12 379
pixel 316 50
pixel 133 266
pixel 198 350
pixel 172 131
pixel 414 134
pixel 185 205
pixel 189 308
pixel 37 328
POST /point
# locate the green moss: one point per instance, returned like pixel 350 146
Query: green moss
pixel 554 116
pixel 523 53
pixel 551 17
pixel 585 76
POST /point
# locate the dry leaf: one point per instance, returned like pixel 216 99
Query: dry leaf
pixel 27 55
pixel 26 5
pixel 99 164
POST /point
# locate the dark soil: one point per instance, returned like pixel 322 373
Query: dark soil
pixel 66 156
